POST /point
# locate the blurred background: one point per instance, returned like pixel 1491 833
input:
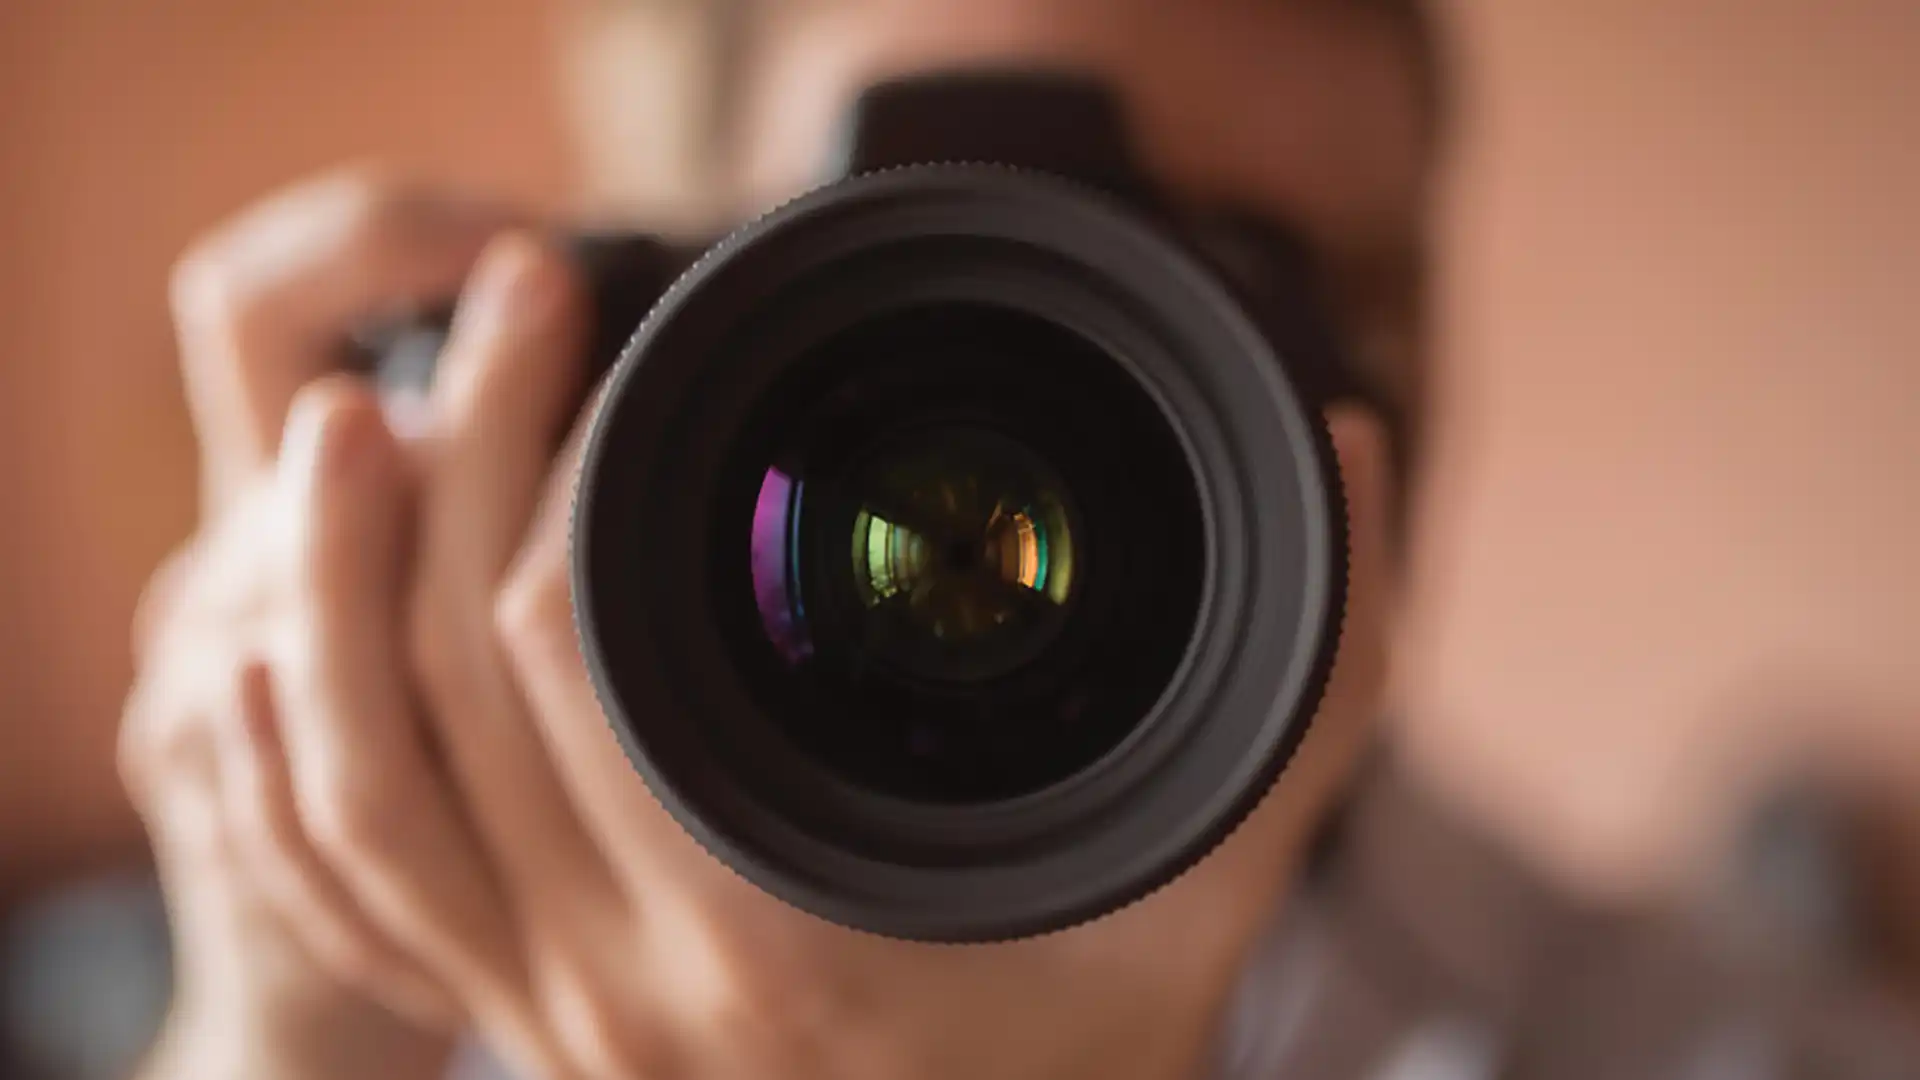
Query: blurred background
pixel 126 128
pixel 1737 531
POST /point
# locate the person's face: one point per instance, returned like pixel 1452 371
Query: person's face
pixel 1311 113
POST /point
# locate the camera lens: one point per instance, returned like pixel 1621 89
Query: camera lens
pixel 975 551
pixel 958 558
pixel 962 556
pixel 954 556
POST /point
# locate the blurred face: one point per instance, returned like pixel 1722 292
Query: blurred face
pixel 1311 113
pixel 1309 110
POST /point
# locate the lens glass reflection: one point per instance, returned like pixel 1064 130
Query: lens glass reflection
pixel 959 556
pixel 974 549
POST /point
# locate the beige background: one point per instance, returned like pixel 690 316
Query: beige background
pixel 126 127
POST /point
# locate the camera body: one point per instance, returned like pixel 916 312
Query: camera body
pixel 959 550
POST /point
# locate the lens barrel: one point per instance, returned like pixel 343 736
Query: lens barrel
pixel 955 556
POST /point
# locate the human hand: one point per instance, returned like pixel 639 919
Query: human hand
pixel 641 955
pixel 267 620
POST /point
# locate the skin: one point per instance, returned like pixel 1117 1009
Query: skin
pixel 96 453
pixel 361 689
pixel 257 306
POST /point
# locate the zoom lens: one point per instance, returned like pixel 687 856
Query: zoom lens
pixel 958 556
pixel 976 553
pixel 954 557
pixel 962 555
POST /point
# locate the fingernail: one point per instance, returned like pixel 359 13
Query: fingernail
pixel 514 285
pixel 349 443
pixel 408 413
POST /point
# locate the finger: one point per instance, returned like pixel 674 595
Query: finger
pixel 1343 731
pixel 1367 481
pixel 170 768
pixel 154 609
pixel 536 599
pixel 162 755
pixel 368 794
pixel 508 392
pixel 591 995
pixel 508 386
pixel 534 621
pixel 266 304
pixel 257 793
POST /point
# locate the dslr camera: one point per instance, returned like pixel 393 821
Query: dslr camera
pixel 959 551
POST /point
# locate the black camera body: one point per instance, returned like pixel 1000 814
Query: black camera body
pixel 959 550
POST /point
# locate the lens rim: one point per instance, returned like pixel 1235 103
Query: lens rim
pixel 1270 617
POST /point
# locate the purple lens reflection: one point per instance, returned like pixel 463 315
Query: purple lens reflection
pixel 775 552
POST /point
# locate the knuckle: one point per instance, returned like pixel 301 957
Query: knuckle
pixel 133 746
pixel 217 287
pixel 527 610
pixel 205 293
pixel 368 191
pixel 160 600
pixel 163 724
pixel 218 294
pixel 158 759
pixel 142 722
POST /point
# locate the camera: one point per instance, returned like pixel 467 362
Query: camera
pixel 959 549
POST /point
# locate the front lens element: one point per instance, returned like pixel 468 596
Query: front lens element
pixel 974 551
pixel 960 555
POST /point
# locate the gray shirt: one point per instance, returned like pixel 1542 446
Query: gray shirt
pixel 1413 951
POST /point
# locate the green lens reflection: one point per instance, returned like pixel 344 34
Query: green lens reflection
pixel 964 545
pixel 1025 548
